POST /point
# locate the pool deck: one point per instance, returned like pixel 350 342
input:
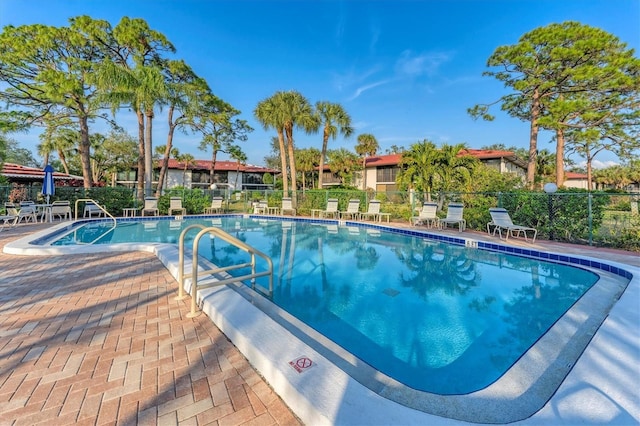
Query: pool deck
pixel 99 339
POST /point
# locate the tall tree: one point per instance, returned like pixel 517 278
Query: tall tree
pixel 236 153
pixel 220 129
pixel 133 75
pixel 269 114
pixel 49 72
pixel 297 112
pixel 559 73
pixel 367 146
pixel 58 138
pixel 334 120
pixel 598 79
pixel 185 92
pixel 12 153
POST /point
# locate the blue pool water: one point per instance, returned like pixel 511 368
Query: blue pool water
pixel 437 317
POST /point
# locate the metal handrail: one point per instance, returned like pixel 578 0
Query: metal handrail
pixel 96 204
pixel 113 226
pixel 217 232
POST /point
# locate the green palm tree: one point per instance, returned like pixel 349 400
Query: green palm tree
pixel 61 140
pixel 132 74
pixel 545 167
pixel 268 113
pixel 367 146
pixel 241 158
pixel 453 168
pixel 296 112
pixel 343 163
pixel 141 88
pixel 187 160
pixel 334 120
pixel 306 162
pixel 417 167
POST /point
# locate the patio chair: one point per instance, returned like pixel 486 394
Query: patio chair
pixel 92 209
pixel 373 212
pixel 26 213
pixel 150 206
pixel 427 215
pixel 287 206
pixel 500 220
pixel 331 210
pixel 261 207
pixel 175 204
pixel 353 210
pixel 454 217
pixel 10 218
pixel 216 206
pixel 61 209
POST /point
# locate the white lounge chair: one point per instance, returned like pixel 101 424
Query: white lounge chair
pixel 62 209
pixel 427 215
pixel 150 206
pixel 287 206
pixel 91 209
pixel 373 212
pixel 216 206
pixel 10 218
pixel 331 210
pixel 500 220
pixel 353 210
pixel 26 213
pixel 175 204
pixel 454 217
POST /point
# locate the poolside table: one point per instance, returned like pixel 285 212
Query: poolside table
pixel 129 212
pixel 44 211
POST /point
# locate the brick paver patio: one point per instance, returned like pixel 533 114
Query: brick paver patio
pixel 99 339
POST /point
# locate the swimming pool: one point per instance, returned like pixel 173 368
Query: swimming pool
pixel 366 249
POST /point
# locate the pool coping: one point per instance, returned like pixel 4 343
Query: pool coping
pixel 312 394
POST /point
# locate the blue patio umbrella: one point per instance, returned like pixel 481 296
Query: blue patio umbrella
pixel 48 186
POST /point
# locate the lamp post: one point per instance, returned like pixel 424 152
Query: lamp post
pixel 550 188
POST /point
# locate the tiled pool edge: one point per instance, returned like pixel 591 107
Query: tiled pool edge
pixel 354 405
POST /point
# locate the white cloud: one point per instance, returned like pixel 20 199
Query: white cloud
pixel 362 89
pixel 597 164
pixel 413 65
pixel 352 78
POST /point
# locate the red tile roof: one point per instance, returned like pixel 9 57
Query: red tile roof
pixel 17 171
pixel 482 154
pixel 383 160
pixel 574 175
pixel 221 165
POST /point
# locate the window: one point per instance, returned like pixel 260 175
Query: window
pixel 127 176
pixel 221 177
pixel 199 177
pixel 328 177
pixel 386 173
pixel 252 178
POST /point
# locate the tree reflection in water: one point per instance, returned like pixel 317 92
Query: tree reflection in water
pixel 435 267
pixel 437 317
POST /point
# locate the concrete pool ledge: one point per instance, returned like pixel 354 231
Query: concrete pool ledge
pixel 601 387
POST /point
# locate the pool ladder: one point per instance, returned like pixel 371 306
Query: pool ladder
pixel 106 213
pixel 217 233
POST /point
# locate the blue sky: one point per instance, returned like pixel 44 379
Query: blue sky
pixel 405 71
